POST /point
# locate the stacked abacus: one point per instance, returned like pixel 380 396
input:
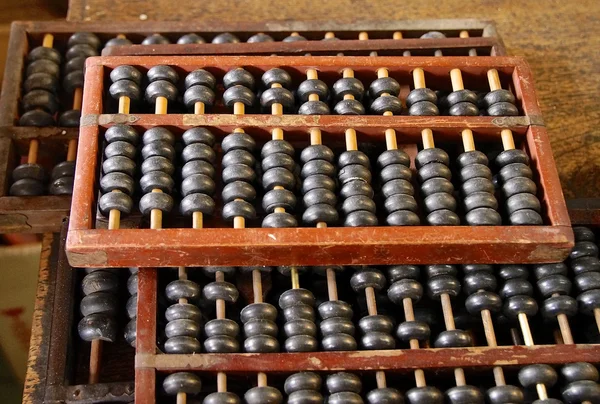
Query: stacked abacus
pixel 312 202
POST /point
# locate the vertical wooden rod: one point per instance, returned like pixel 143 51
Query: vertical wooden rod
pixel 95 355
pixel 371 302
pixel 447 310
pixel 221 382
pixel 257 286
pixel 331 284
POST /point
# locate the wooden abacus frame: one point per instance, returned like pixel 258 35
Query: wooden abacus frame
pixel 46 213
pixel 51 354
pixel 93 247
pixel 150 360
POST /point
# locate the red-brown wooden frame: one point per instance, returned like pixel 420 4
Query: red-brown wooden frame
pixel 88 246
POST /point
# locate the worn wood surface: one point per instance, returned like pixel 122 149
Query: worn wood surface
pixel 557 38
pixel 39 346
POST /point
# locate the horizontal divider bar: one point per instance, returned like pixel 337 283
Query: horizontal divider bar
pixel 383 245
pixel 398 359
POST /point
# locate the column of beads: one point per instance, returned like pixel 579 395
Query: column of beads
pixel 394 164
pixel 277 155
pixel 432 162
pixel 99 308
pixel 200 91
pixel 337 328
pixel 354 166
pixel 303 388
pixel 376 329
pixel 585 265
pixel 81 46
pixel 405 290
pixel 157 181
pixel 221 332
pixel 131 307
pixel 182 331
pixel 238 147
pixel 343 388
pixel 238 193
pixel 460 102
pixel 480 285
pixel 312 94
pixel 522 204
pixel 582 383
pixel 162 87
pixel 555 287
pixel 260 332
pixel 298 310
pixel 519 305
pixel 117 185
pixel 39 104
pixel 443 284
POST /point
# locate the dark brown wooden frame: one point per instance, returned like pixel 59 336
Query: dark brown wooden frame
pixel 46 213
pixel 89 246
pixel 50 356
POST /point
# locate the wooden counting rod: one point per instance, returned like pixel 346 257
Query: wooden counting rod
pixel 528 339
pixel 565 328
pixel 490 336
pixel 426 134
pixel 459 373
pixel 372 310
pixel 316 139
pixel 597 317
pixel 508 141
pixel 465 34
pixel 409 315
pixel 258 298
pixel 34 144
pixel 114 216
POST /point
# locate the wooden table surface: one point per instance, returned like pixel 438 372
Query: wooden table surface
pixel 559 39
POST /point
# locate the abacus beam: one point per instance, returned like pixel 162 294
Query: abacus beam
pixel 395 359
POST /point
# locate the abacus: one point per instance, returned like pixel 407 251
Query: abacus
pixel 55 140
pixel 502 333
pixel 373 214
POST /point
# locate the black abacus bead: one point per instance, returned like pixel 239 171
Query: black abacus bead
pixel 422 102
pixel 464 394
pixel 376 332
pixel 156 39
pixel 294 38
pixel 312 86
pixel 425 394
pixel 225 397
pixel 348 86
pixel 505 394
pixel 386 395
pixel 410 330
pixel 303 388
pixel 314 108
pixel 500 103
pixel 263 395
pixel 126 72
pixel 453 339
pixel 300 329
pixel 40 99
pixel 584 249
pixel 483 300
pixel 462 103
pixel 182 382
pixel 225 37
pixel 99 306
pixel 583 234
pixel 191 38
pixel 260 37
pixel 163 81
pixel 537 374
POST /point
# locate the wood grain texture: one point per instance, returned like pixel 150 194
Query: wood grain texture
pixel 37 364
pixel 556 37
